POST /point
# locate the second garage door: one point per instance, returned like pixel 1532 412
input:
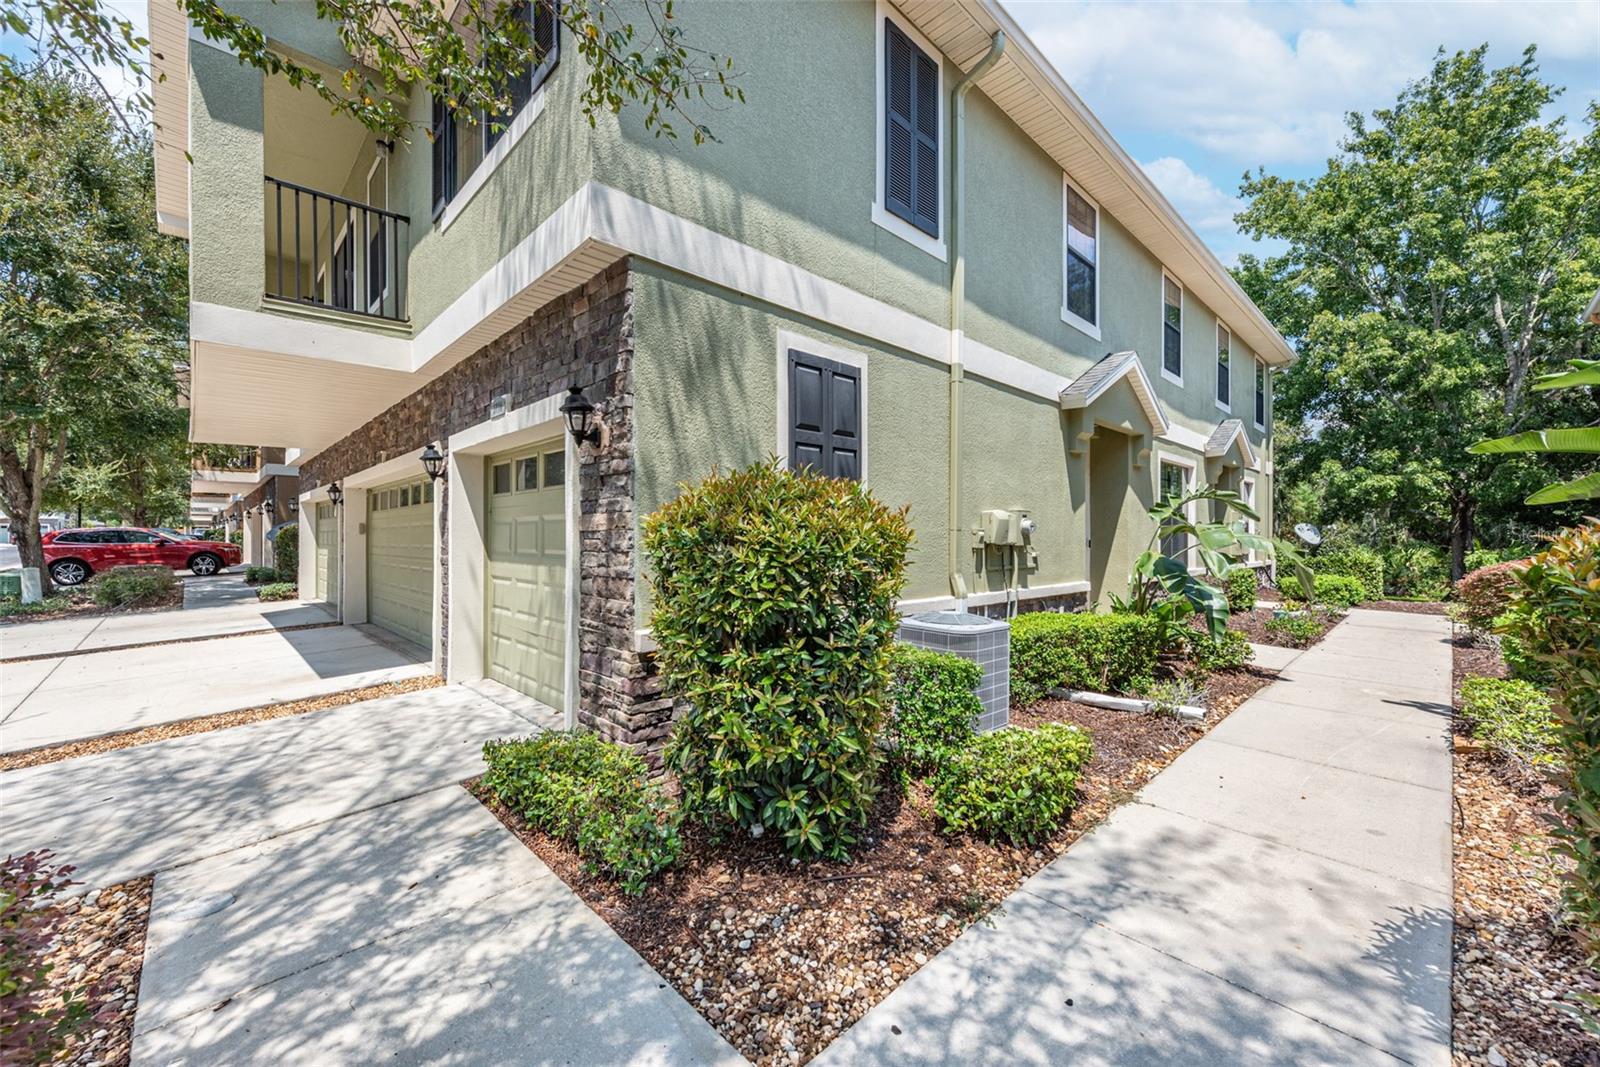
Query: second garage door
pixel 400 560
pixel 526 647
pixel 327 555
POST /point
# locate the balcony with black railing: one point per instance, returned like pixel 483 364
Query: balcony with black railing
pixel 330 252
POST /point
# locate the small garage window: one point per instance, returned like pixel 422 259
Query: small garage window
pixel 528 473
pixel 502 478
pixel 555 469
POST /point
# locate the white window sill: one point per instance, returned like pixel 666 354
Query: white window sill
pixel 1224 408
pixel 1081 325
pixel 1175 379
pixel 497 155
pixel 887 220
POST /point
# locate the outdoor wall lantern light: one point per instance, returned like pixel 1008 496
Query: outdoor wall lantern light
pixel 433 462
pixel 294 505
pixel 579 411
pixel 335 494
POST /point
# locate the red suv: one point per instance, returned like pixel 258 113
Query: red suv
pixel 74 555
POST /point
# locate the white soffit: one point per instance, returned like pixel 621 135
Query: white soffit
pixel 246 397
pixel 169 91
pixel 1038 99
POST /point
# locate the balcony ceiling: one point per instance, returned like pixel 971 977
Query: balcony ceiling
pixel 303 142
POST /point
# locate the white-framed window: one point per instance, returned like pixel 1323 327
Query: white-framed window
pixel 1261 395
pixel 464 155
pixel 1080 260
pixel 1171 329
pixel 909 197
pixel 1247 493
pixel 1224 368
pixel 1176 478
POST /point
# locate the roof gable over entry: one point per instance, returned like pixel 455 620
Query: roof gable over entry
pixel 1229 445
pixel 1098 380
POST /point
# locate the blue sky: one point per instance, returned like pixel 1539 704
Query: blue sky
pixel 1198 93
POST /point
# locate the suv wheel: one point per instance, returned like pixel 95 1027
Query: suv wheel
pixel 69 572
pixel 205 563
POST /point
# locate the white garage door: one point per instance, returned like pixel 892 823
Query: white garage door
pixel 327 555
pixel 526 647
pixel 400 560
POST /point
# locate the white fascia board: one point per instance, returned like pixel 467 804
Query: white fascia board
pixel 291 336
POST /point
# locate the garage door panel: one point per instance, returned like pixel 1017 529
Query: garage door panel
pixel 400 561
pixel 526 609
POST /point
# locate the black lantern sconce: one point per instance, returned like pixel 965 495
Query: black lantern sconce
pixel 433 462
pixel 335 494
pixel 579 413
pixel 294 505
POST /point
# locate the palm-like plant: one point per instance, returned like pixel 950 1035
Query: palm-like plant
pixel 1164 585
pixel 1576 439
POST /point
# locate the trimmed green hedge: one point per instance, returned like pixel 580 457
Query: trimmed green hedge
pixel 1013 784
pixel 277 591
pixel 1109 653
pixel 1333 590
pixel 286 553
pixel 775 597
pixel 933 705
pixel 596 795
pixel 1362 564
pixel 1228 652
pixel 1242 585
pixel 133 586
pixel 1510 716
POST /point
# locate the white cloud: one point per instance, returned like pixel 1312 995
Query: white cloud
pixel 1197 198
pixel 1263 83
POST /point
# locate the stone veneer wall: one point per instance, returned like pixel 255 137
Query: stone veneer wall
pixel 584 337
pixel 285 487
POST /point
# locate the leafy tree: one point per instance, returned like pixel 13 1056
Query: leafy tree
pixel 635 52
pixel 93 301
pixel 1432 269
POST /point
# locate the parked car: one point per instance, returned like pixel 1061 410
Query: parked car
pixel 74 556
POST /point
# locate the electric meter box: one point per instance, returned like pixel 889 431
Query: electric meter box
pixel 1011 527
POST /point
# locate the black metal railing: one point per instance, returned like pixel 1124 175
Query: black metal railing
pixel 330 252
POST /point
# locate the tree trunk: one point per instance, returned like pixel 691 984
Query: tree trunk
pixel 1462 506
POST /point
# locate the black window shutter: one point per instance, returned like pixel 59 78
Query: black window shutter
pixel 824 416
pixel 444 155
pixel 911 131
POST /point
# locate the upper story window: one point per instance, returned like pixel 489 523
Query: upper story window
pixel 910 124
pixel 1082 305
pixel 1171 329
pixel 1224 367
pixel 1261 395
pixel 460 148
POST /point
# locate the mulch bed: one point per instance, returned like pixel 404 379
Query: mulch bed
pixel 1253 624
pixel 82 605
pixel 1513 962
pixel 166 731
pixel 98 956
pixel 1409 607
pixel 782 958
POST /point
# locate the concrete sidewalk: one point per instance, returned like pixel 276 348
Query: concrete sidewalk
pixel 1280 894
pixel 229 618
pixel 50 701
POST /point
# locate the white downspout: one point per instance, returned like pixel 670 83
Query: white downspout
pixel 958 298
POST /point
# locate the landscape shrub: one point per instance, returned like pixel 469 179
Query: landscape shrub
pixel 1080 650
pixel 1479 558
pixel 775 597
pixel 1484 594
pixel 1520 663
pixel 1167 696
pixel 933 704
pixel 1334 590
pixel 1413 569
pixel 286 553
pixel 237 537
pixel 1510 716
pixel 1556 616
pixel 1296 630
pixel 133 587
pixel 598 796
pixel 1354 561
pixel 1012 784
pixel 1242 585
pixel 1209 654
pixel 278 591
pixel 254 575
pixel 32 1029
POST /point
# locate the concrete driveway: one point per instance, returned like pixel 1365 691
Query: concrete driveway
pixel 327 893
pixel 65 698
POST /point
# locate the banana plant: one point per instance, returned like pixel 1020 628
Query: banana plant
pixel 1214 546
pixel 1579 372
